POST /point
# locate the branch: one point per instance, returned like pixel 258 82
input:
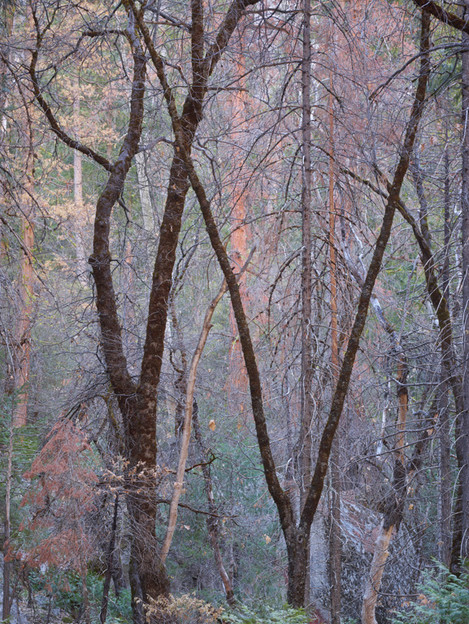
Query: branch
pixel 100 260
pixel 53 123
pixel 446 17
pixel 317 482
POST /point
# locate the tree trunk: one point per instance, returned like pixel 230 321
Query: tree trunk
pixel 463 455
pixel 7 527
pixel 380 555
pixel 22 338
pixel 144 192
pixel 306 380
pixel 212 521
pixel 444 550
pixel 298 556
pixel 109 564
pixel 335 542
pixel 394 505
pixel 79 218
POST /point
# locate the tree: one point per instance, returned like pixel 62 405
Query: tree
pixel 138 401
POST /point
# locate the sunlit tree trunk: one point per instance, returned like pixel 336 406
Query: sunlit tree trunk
pixel 237 384
pixel 22 340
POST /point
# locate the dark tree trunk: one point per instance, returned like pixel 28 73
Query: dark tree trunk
pixel 298 555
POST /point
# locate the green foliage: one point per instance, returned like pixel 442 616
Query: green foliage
pixel 66 593
pixel 266 615
pixel 443 598
pixel 119 607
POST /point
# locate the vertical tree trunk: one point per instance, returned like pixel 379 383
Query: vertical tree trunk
pixel 212 521
pixel 22 339
pixel 394 505
pixel 144 192
pixel 109 564
pixel 79 218
pixel 298 578
pixel 444 551
pixel 335 543
pixel 304 442
pixel 237 383
pixel 463 456
pixel 7 528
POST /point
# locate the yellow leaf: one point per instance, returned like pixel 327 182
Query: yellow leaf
pixel 267 539
pixel 212 426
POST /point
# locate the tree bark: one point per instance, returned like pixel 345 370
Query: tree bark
pixel 335 542
pixel 109 564
pixel 463 455
pixel 305 440
pixel 394 510
pixel 79 220
pixel 212 521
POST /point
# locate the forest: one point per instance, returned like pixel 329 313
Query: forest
pixel 234 311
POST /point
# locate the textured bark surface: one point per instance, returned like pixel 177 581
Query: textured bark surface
pixel 463 455
pixel 380 555
pixel 335 540
pixel 304 443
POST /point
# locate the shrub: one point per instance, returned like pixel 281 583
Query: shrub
pixel 186 609
pixel 443 598
pixel 267 615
